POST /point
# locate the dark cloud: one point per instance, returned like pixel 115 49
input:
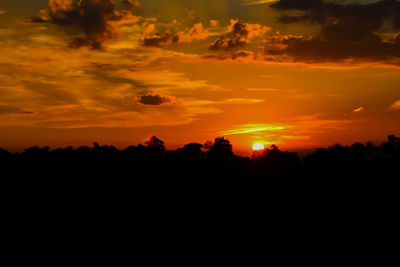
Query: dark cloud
pixel 242 54
pixel 153 100
pixel 236 38
pixel 161 40
pixel 319 11
pixel 336 43
pixel 91 21
pixel 347 31
pixel 197 32
pixel 239 35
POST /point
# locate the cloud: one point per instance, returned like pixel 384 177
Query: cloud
pixel 91 22
pixel 161 40
pixel 371 15
pixel 229 101
pixel 337 43
pixel 195 33
pixel 395 106
pixel 131 4
pixel 214 23
pixel 152 99
pixel 263 89
pixel 348 31
pixel 302 131
pixel 239 35
pixel 257 2
pixel 254 128
pixel 70 89
pixel 3 11
pixel 241 101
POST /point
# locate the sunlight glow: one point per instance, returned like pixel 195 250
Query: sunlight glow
pixel 253 128
pixel 258 146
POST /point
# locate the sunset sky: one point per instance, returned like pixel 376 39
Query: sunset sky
pixel 299 74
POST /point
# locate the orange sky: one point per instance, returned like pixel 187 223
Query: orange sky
pixel 189 72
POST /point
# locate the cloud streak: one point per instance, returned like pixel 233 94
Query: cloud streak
pixel 253 128
pixel 161 40
pixel 257 2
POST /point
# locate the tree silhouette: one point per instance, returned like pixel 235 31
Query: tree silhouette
pixel 277 161
pixel 71 184
pixel 155 144
pixel 221 146
pixel 4 155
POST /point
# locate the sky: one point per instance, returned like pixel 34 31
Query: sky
pixel 298 74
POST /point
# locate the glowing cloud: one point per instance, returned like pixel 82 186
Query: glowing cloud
pixel 257 2
pixel 253 128
pixel 395 106
pixel 239 35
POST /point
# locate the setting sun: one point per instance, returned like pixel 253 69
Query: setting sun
pixel 258 146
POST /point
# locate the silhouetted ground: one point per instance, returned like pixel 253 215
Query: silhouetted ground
pixel 204 195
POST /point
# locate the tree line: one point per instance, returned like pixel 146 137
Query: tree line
pixel 143 191
pixel 215 156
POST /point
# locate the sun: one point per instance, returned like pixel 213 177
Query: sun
pixel 258 146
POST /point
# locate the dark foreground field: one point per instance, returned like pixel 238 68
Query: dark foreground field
pixel 206 196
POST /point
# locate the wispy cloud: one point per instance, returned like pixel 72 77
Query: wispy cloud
pixel 301 131
pixel 395 106
pixel 240 101
pixel 262 89
pixel 257 2
pixel 88 88
pixel 253 128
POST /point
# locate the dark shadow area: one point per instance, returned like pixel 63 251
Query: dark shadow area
pixel 208 196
